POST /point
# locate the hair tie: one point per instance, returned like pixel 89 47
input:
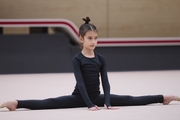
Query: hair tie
pixel 87 20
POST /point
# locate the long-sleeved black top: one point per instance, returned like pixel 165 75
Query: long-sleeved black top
pixel 87 72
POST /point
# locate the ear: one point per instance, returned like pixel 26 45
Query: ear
pixel 81 38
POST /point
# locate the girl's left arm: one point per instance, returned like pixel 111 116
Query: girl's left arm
pixel 105 83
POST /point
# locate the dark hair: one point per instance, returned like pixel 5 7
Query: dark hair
pixel 84 28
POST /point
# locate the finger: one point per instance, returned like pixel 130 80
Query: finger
pixel 97 107
pixel 105 107
pixel 113 108
pixel 110 107
pixel 93 109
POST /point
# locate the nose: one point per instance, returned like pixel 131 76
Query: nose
pixel 94 41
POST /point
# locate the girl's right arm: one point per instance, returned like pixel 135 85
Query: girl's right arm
pixel 80 83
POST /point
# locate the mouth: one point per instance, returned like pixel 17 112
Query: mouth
pixel 92 45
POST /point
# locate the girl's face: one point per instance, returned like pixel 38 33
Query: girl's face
pixel 89 41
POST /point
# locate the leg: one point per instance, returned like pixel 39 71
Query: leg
pixel 118 100
pixel 121 100
pixel 70 101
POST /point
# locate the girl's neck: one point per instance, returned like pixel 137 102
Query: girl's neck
pixel 88 53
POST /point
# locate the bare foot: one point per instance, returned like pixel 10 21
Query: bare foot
pixel 11 105
pixel 168 99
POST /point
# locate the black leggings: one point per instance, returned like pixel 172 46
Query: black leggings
pixel 73 101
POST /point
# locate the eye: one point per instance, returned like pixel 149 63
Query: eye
pixel 90 38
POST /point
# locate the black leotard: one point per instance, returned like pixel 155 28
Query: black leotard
pixel 87 72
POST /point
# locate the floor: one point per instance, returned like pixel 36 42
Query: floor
pixel 40 86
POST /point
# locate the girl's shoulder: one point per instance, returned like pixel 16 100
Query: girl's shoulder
pixel 78 56
pixel 100 56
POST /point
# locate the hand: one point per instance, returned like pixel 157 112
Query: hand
pixel 95 108
pixel 110 107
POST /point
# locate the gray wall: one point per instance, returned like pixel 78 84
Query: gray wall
pixel 34 54
pixel 42 53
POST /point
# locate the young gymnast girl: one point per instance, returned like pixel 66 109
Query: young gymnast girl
pixel 88 67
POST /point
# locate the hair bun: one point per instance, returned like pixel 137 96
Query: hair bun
pixel 87 20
